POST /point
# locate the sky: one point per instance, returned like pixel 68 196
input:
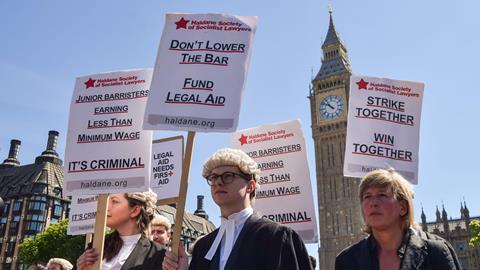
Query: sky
pixel 45 45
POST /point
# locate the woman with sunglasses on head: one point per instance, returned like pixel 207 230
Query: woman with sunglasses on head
pixel 128 246
pixel 395 241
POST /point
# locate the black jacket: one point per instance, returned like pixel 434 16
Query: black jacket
pixel 420 250
pixel 145 256
pixel 262 244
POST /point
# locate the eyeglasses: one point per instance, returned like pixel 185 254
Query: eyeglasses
pixel 225 178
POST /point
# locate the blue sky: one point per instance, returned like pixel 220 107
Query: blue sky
pixel 46 44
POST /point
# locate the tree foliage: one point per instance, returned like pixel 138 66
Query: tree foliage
pixel 475 229
pixel 53 243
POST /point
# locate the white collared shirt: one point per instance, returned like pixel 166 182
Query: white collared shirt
pixel 227 235
pixel 129 243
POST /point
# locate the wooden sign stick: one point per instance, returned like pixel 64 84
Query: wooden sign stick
pixel 177 230
pixel 88 239
pixel 100 223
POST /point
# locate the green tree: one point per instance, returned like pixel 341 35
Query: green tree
pixel 53 243
pixel 475 229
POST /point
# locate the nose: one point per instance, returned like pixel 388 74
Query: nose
pixel 373 201
pixel 218 182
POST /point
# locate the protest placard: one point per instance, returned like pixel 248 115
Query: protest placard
pixel 81 217
pixel 383 126
pixel 167 156
pixel 285 194
pixel 107 149
pixel 200 72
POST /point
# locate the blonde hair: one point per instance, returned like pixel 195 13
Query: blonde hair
pixel 402 191
pixel 159 220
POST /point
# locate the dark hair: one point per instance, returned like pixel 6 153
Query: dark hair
pixel 113 241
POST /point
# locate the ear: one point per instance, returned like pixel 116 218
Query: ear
pixel 251 186
pixel 135 212
pixel 403 208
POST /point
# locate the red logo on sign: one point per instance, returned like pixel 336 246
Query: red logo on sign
pixel 89 83
pixel 182 23
pixel 243 139
pixel 362 84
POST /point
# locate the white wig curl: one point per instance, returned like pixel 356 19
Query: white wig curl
pixel 232 157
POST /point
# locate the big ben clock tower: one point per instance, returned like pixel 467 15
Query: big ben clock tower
pixel 338 204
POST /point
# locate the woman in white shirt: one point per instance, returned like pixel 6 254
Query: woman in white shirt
pixel 128 247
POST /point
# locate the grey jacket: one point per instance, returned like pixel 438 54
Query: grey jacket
pixel 419 250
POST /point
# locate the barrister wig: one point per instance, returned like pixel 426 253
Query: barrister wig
pixel 66 265
pixel 146 201
pixel 402 191
pixel 160 220
pixel 232 157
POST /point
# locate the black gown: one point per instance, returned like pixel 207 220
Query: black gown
pixel 262 244
pixel 147 255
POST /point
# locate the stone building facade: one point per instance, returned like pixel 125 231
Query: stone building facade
pixel 457 232
pixel 33 198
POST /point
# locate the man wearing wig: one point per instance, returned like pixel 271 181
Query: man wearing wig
pixel 395 241
pixel 245 239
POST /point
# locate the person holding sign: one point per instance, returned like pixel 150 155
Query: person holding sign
pixel 245 239
pixel 128 246
pixel 395 241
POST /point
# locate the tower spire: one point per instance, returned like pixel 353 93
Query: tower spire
pixel 437 213
pixel 424 221
pixel 335 59
pixel 465 210
pixel 332 35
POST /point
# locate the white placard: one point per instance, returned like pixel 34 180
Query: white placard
pixel 200 72
pixel 285 193
pixel 167 156
pixel 107 150
pixel 81 218
pixel 383 126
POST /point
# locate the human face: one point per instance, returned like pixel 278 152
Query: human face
pixel 160 234
pixel 119 212
pixel 233 195
pixel 381 210
pixel 54 266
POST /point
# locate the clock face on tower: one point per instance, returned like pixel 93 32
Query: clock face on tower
pixel 331 107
